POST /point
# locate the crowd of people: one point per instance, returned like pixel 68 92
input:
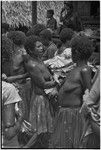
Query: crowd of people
pixel 68 116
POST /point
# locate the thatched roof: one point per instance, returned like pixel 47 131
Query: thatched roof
pixel 16 12
pixel 19 12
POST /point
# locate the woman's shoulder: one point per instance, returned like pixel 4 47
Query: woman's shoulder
pixel 86 68
pixel 33 65
pixel 9 93
pixel 77 71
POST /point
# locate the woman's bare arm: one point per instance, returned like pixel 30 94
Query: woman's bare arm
pixel 11 127
pixel 38 78
pixel 18 77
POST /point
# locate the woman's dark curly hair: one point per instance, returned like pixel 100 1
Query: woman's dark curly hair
pixel 6 49
pixel 35 30
pixel 5 27
pixel 66 34
pixel 18 37
pixel 46 34
pixel 31 43
pixel 82 48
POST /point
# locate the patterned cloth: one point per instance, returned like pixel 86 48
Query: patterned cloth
pixel 9 95
pixel 50 51
pixel 60 64
pixel 91 106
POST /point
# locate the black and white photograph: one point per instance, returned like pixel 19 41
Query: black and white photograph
pixel 50 74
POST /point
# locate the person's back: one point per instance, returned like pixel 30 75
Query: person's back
pixel 69 123
pixel 71 93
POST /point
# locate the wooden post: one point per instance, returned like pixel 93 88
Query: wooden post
pixel 34 12
pixel 75 6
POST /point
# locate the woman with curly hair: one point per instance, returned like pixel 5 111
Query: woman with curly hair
pixel 35 30
pixel 41 79
pixel 65 36
pixel 17 68
pixel 69 123
pixel 11 118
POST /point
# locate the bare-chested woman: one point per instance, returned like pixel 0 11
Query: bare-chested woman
pixel 69 122
pixel 41 79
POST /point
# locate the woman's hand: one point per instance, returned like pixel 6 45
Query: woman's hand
pixel 53 93
pixel 86 95
pixel 4 77
pixel 85 109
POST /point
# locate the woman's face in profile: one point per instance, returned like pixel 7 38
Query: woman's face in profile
pixel 39 47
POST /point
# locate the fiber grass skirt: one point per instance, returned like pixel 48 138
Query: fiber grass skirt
pixel 40 117
pixel 68 129
pixel 25 94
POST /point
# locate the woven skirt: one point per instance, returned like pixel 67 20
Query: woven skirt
pixel 25 93
pixel 92 141
pixel 40 116
pixel 68 129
